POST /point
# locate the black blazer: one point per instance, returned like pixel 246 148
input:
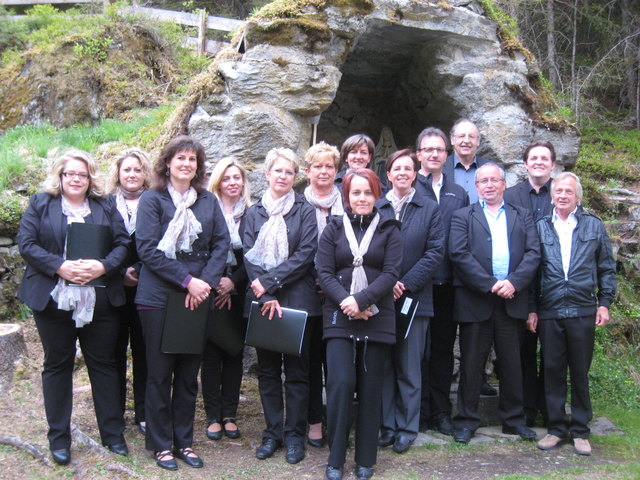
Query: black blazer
pixel 160 274
pixel 519 195
pixel 470 252
pixel 41 239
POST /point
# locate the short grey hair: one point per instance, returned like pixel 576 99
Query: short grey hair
pixel 487 165
pixel 564 176
pixel 286 153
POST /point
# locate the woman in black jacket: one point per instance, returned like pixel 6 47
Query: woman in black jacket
pixel 64 313
pixel 422 252
pixel 358 261
pixel 182 241
pixel 221 372
pixel 280 241
pixel 129 177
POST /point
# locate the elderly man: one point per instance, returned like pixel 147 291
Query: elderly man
pixel 569 307
pixel 534 194
pixel 437 367
pixel 461 166
pixel 495 254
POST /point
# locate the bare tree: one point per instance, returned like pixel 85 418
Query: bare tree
pixel 552 64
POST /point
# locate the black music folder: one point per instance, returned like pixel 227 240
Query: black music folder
pixel 282 335
pixel 184 330
pixel 225 328
pixel 89 241
pixel 406 307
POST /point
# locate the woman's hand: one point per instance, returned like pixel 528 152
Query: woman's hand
pixel 198 292
pixel 223 301
pixel 81 271
pixel 350 307
pixel 398 290
pixel 270 308
pixel 67 271
pixel 130 277
pixel 257 288
pixel 225 286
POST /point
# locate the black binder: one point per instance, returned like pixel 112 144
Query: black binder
pixel 225 328
pixel 282 335
pixel 406 307
pixel 184 330
pixel 89 241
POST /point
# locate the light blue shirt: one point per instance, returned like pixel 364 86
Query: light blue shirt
pixel 466 178
pixel 499 240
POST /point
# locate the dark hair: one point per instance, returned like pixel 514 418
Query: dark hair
pixel 180 144
pixel 432 132
pixel 352 142
pixel 547 145
pixel 405 152
pixel 366 173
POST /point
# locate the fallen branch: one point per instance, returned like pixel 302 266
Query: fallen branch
pixel 114 467
pixel 28 447
pixel 82 438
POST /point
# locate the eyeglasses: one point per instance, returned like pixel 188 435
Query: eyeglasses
pixel 72 175
pixel 493 181
pixel 429 151
pixel 462 136
pixel 287 173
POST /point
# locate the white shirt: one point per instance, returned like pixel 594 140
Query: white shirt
pixel 437 187
pixel 565 230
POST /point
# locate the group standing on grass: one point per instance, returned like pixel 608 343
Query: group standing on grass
pixel 509 268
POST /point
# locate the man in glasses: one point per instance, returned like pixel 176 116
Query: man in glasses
pixel 495 252
pixel 437 366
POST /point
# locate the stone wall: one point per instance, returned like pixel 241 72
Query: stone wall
pixel 11 271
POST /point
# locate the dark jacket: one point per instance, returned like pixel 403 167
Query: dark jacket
pixel 471 254
pixel 41 239
pixel 422 247
pixel 452 197
pixel 292 282
pixel 592 270
pixel 520 195
pixel 382 265
pixel 160 274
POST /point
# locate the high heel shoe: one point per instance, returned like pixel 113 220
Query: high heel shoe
pixel 230 433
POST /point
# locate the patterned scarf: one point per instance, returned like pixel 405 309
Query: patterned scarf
pixel 359 278
pixel 129 217
pixel 184 227
pixel 272 245
pixel 233 225
pixel 398 202
pixel 332 203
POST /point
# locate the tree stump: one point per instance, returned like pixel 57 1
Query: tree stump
pixel 12 349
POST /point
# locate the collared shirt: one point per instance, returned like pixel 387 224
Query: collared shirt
pixel 565 234
pixel 466 177
pixel 437 187
pixel 499 240
pixel 539 200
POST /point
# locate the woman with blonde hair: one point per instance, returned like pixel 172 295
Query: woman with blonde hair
pixel 221 372
pixel 129 177
pixel 65 313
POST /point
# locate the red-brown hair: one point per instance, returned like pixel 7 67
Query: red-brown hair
pixel 366 173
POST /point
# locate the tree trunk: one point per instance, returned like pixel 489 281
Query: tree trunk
pixel 631 53
pixel 12 349
pixel 551 46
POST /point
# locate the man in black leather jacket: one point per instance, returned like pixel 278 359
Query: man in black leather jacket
pixel 576 284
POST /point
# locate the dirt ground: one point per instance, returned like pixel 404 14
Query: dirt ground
pixel 22 416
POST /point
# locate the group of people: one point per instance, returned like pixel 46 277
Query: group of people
pixel 385 277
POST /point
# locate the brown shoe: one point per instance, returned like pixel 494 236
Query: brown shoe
pixel 582 446
pixel 549 442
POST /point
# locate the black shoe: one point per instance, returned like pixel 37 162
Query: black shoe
pixel 61 456
pixel 142 426
pixel 523 432
pixel 487 390
pixel 165 460
pixel 316 442
pixel 214 435
pixel 294 454
pixel 230 433
pixel 188 456
pixel 119 449
pixel 363 473
pixel 463 435
pixel 402 444
pixel 333 473
pixel 386 438
pixel 443 424
pixel 267 448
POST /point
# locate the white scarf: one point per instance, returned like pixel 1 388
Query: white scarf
pixel 272 245
pixel 233 225
pixel 128 216
pixel 79 298
pixel 359 278
pixel 332 202
pixel 398 202
pixel 184 227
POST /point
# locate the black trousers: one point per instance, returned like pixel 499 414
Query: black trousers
pixel 532 376
pixel 437 364
pixel 316 363
pixel 172 387
pixel 221 377
pixel 286 421
pixel 352 368
pixel 58 334
pixel 475 344
pixel 131 333
pixel 568 343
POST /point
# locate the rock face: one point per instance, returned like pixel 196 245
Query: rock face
pixel 401 64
